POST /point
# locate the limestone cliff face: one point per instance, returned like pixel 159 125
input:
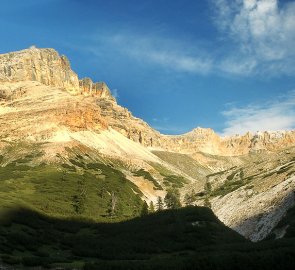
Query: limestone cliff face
pixel 49 68
pixel 42 65
pixel 99 89
pixel 199 140
pixel 206 140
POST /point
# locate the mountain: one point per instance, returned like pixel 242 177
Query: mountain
pixel 69 150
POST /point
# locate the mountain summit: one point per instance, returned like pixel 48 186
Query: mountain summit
pixel 49 68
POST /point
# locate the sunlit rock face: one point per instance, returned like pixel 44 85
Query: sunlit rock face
pixel 43 65
pixel 99 89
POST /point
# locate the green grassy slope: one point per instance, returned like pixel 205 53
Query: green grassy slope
pixel 184 163
pixel 57 188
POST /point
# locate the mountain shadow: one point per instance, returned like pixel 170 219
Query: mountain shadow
pixel 187 238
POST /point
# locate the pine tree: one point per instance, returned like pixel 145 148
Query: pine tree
pixel 151 208
pixel 189 198
pixel 160 204
pixel 172 199
pixel 144 209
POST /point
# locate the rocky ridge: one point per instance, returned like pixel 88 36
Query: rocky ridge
pixel 49 68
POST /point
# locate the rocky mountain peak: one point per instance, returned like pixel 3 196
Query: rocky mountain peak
pixel 42 65
pixel 201 132
pixel 46 66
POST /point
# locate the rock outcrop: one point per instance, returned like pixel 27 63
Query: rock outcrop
pixel 49 68
pixel 42 65
pixel 99 89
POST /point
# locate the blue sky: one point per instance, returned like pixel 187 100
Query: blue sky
pixel 178 64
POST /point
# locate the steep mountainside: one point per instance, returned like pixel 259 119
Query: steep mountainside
pixel 57 130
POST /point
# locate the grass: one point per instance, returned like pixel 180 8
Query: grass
pixel 175 181
pixel 50 188
pixel 226 188
pixel 170 179
pixel 148 177
pixel 233 181
pixel 184 163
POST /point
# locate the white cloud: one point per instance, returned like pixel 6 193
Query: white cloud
pixel 272 115
pixel 167 53
pixel 257 37
pixel 263 30
pixel 241 67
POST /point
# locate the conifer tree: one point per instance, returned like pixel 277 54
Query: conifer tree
pixel 144 209
pixel 160 204
pixel 151 208
pixel 172 199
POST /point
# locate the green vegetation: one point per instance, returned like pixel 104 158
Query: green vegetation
pixel 233 181
pixel 144 209
pixel 62 191
pixel 184 163
pixel 160 204
pixel 151 207
pixel 172 199
pixel 170 180
pixel 174 181
pixel 226 188
pixel 148 176
pixel 187 238
pixel 190 197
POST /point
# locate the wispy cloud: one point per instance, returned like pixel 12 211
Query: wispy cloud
pixel 263 32
pixel 256 37
pixel 164 52
pixel 272 115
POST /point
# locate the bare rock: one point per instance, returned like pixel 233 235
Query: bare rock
pixel 42 65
